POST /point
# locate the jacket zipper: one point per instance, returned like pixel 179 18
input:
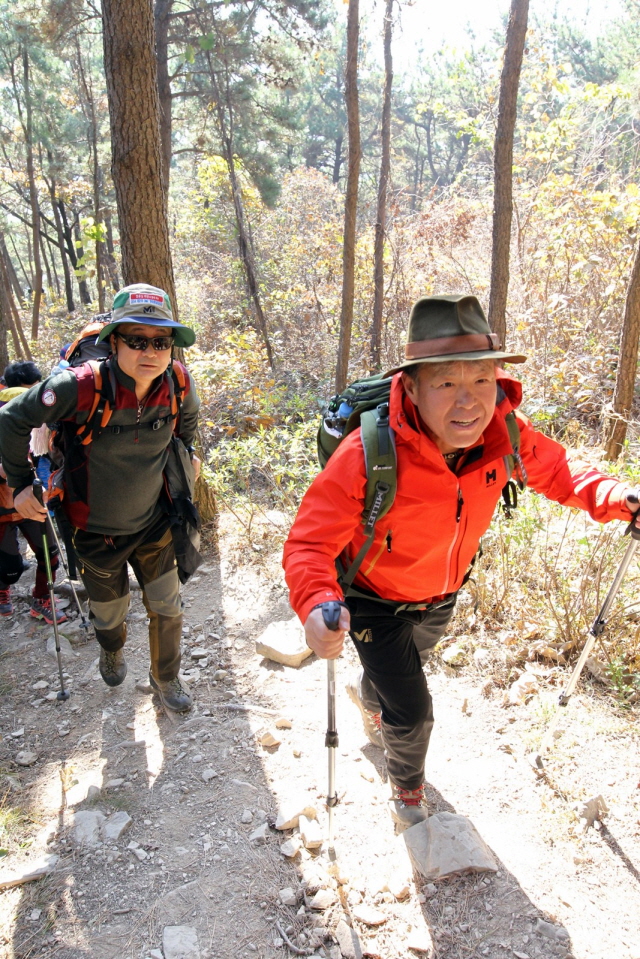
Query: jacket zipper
pixel 138 417
pixel 459 505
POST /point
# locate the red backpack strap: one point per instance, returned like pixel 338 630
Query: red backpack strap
pixel 100 411
pixel 177 387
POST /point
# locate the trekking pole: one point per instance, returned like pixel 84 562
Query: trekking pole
pixel 595 632
pixel 85 622
pixel 331 616
pixel 63 695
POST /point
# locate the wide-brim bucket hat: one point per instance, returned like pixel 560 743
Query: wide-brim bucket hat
pixel 444 328
pixel 141 303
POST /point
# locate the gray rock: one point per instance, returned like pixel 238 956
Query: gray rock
pixel 447 845
pixel 323 899
pixel 591 810
pixel 28 872
pixel 289 816
pixel 180 942
pixel 26 757
pixel 208 774
pixel 155 954
pixel 113 784
pixel 93 792
pixel 259 835
pixel 66 649
pixel 290 848
pixel 247 816
pixel 347 939
pixel 87 825
pixel 115 825
pixel 549 931
pixel 284 642
pixel 288 897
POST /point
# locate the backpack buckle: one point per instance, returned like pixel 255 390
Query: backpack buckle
pixel 116 429
pixel 157 424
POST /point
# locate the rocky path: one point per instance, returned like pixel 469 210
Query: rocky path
pixel 164 827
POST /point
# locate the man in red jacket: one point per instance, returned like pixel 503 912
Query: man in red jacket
pixel 447 413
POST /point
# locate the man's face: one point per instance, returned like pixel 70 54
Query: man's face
pixel 455 400
pixel 141 365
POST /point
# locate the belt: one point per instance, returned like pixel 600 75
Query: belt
pixel 425 605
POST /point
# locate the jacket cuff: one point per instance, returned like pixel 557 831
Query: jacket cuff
pixel 617 499
pixel 325 596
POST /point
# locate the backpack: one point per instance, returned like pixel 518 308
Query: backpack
pixel 364 404
pixel 85 346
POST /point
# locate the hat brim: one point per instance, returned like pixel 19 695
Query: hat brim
pixel 450 357
pixel 184 337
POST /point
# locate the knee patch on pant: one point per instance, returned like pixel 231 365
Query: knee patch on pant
pixel 11 568
pixel 109 615
pixel 163 594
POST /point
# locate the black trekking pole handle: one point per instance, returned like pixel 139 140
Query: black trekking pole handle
pixel 331 614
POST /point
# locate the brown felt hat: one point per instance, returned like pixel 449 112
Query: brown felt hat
pixel 444 328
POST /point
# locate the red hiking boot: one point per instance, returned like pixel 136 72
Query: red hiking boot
pixel 6 606
pixel 41 609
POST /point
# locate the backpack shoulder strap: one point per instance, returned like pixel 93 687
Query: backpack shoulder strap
pixel 100 411
pixel 177 389
pixel 516 471
pixel 380 458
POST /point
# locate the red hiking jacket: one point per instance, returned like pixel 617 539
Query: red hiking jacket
pixel 425 543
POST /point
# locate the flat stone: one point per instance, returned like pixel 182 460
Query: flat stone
pixel 290 848
pixel 247 816
pixel 447 845
pixel 284 642
pixel 28 872
pixel 26 757
pixel 348 942
pixel 369 916
pixel 87 827
pixel 549 931
pixel 288 896
pixel 310 832
pixel 289 815
pixel 180 942
pixel 208 774
pixel 41 684
pixel 283 723
pixel 114 784
pixel 323 899
pixel 259 835
pixel 115 825
pixel 66 649
pixel 269 738
pixel 199 654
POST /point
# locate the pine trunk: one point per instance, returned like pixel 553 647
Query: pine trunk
pixel 617 418
pixel 161 13
pixel 503 166
pixel 134 111
pixel 33 197
pixel 381 216
pixel 351 199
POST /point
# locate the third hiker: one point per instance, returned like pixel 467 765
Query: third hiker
pixel 447 409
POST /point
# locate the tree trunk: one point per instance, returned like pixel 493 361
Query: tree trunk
pixel 11 271
pixel 4 328
pixel 83 286
pixel 161 13
pixel 615 429
pixel 381 216
pixel 54 269
pixel 503 166
pixel 47 267
pixel 132 90
pixel 68 286
pixel 11 315
pixel 90 113
pixel 20 296
pixel 33 196
pixel 112 266
pixel 351 199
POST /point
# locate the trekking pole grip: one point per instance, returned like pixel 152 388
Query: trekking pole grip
pixel 331 614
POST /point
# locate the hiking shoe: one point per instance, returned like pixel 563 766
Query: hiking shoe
pixel 409 806
pixel 41 609
pixel 371 721
pixel 113 666
pixel 174 693
pixel 6 606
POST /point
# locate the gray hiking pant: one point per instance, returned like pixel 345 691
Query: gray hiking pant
pixel 393 646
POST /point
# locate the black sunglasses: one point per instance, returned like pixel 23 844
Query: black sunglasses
pixel 135 342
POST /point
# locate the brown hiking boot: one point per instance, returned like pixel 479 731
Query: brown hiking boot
pixel 113 666
pixel 174 694
pixel 408 806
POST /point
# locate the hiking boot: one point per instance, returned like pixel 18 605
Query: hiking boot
pixel 6 606
pixel 409 806
pixel 41 609
pixel 113 666
pixel 371 721
pixel 174 693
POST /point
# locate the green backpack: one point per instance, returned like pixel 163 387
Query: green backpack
pixel 365 404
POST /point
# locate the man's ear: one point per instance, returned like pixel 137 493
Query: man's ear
pixel 410 388
pixel 112 341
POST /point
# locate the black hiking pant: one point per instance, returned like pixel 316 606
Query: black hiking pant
pixel 103 567
pixel 11 563
pixel 393 646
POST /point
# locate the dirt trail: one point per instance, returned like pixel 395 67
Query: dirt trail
pixel 200 786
